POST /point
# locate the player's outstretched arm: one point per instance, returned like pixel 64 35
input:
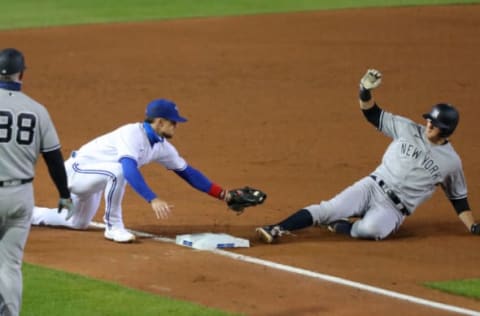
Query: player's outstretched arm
pixel 56 169
pixel 236 199
pixel 465 214
pixel 161 208
pixel 369 81
pixel 467 218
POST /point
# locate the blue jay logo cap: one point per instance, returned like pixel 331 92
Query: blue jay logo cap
pixel 165 109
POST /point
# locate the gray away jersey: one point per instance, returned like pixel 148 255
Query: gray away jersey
pixel 25 130
pixel 412 166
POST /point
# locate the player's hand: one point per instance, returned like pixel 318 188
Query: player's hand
pixel 160 208
pixel 68 205
pixel 371 79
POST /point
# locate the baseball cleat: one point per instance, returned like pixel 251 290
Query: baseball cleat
pixel 119 235
pixel 268 234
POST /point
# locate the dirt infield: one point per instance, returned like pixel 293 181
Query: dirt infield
pixel 271 102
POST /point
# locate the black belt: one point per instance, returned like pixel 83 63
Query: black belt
pixel 395 199
pixel 14 182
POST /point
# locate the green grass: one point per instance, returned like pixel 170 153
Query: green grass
pixel 42 13
pixel 468 288
pixel 49 293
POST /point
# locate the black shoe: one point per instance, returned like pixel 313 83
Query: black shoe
pixel 341 226
pixel 268 234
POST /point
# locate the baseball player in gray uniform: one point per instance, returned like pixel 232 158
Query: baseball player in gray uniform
pixel 25 130
pixel 419 159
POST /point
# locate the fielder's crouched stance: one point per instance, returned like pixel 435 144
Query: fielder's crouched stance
pixel 419 159
pixel 106 164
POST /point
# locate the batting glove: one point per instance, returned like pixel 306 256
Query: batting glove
pixel 371 79
pixel 66 204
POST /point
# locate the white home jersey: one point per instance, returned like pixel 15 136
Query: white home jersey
pixel 131 141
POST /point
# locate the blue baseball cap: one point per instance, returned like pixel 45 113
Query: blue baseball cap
pixel 165 109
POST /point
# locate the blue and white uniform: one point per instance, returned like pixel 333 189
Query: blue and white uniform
pixel 96 169
pixel 106 164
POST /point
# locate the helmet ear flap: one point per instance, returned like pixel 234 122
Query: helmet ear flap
pixel 445 133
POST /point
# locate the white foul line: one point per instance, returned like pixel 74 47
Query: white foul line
pixel 316 275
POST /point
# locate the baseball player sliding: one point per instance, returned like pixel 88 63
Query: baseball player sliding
pixel 26 130
pixel 419 159
pixel 106 164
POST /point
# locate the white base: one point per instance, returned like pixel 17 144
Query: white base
pixel 209 241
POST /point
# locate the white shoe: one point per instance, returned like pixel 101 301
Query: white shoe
pixel 38 215
pixel 118 235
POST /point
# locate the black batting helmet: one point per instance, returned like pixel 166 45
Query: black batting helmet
pixel 445 117
pixel 11 61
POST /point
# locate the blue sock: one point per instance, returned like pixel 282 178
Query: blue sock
pixel 299 220
pixel 343 227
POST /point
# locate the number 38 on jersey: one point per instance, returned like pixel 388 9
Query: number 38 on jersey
pixel 18 127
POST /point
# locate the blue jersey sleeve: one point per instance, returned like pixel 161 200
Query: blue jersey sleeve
pixel 135 178
pixel 195 178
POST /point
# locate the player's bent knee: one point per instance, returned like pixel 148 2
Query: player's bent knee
pixel 364 230
pixel 320 213
pixel 80 225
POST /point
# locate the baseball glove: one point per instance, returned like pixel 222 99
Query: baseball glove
pixel 244 197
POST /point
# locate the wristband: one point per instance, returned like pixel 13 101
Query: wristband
pixel 216 191
pixel 364 94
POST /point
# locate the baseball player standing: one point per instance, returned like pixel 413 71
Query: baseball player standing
pixel 419 159
pixel 25 130
pixel 107 163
